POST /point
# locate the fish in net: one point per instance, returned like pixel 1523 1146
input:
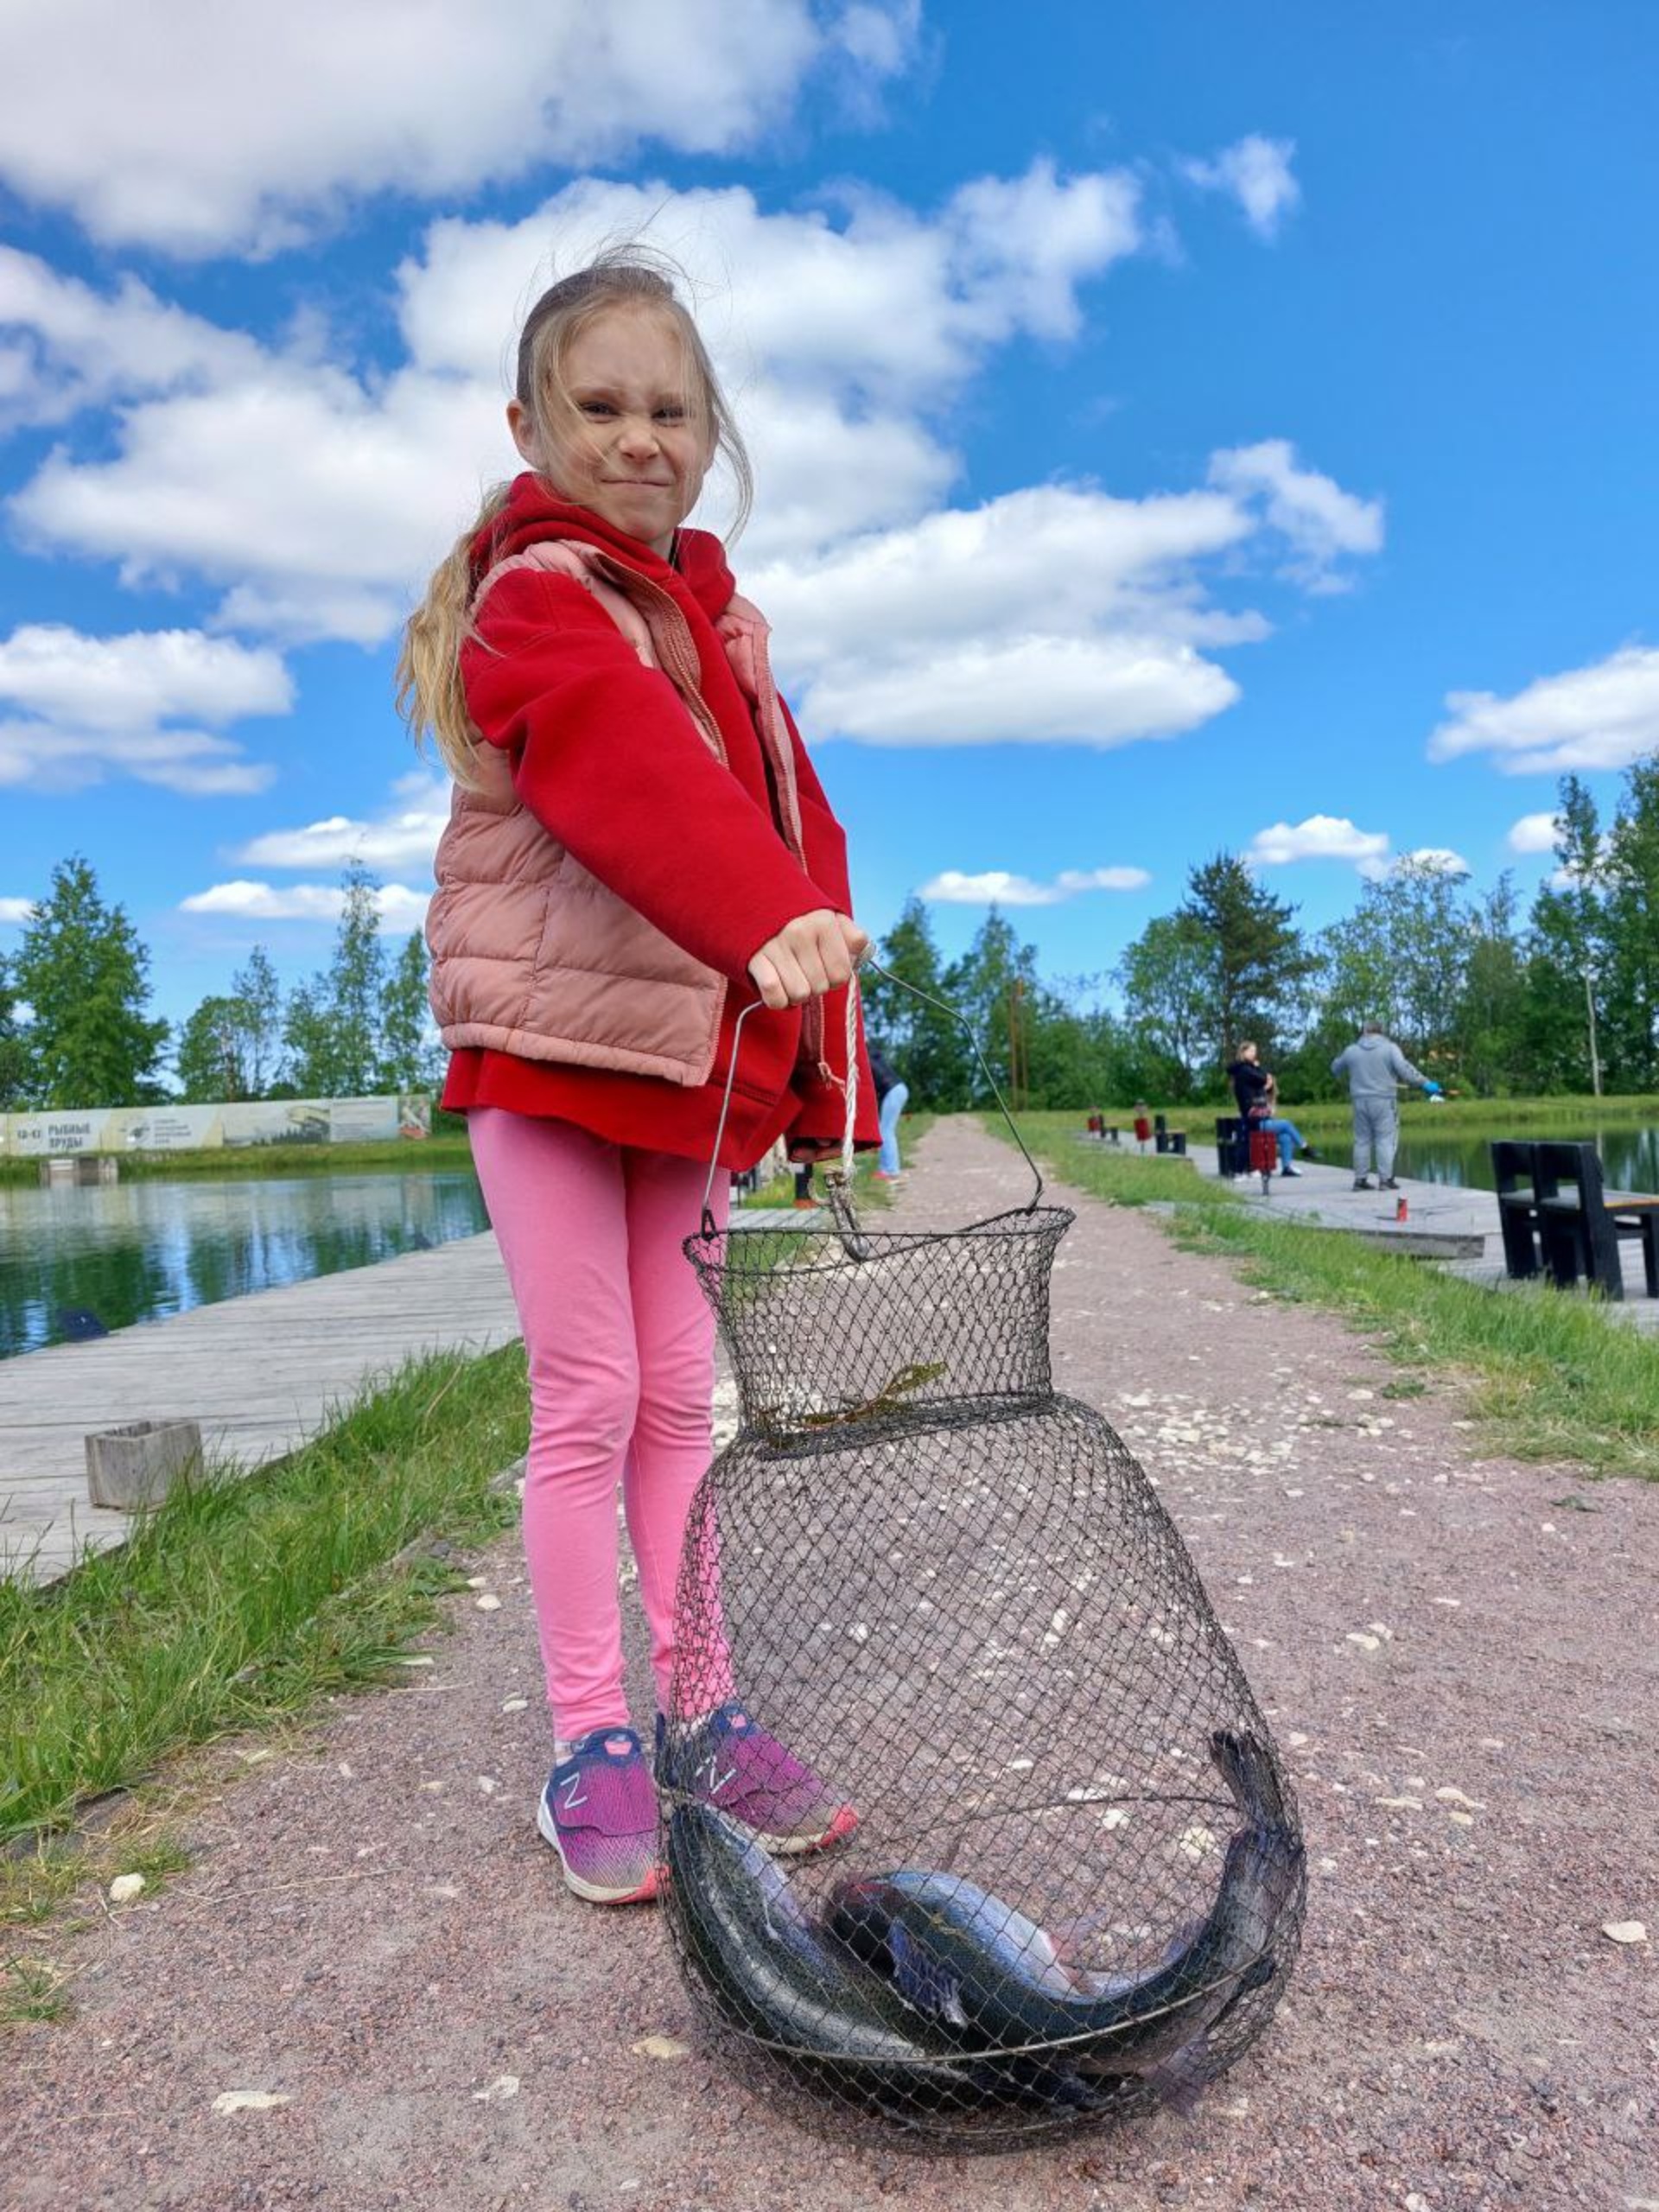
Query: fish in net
pixel 970 1819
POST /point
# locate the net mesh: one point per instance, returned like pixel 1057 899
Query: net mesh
pixel 970 1818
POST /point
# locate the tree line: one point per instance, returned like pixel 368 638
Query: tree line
pixel 75 1028
pixel 1562 999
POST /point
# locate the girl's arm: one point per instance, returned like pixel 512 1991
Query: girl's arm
pixel 605 757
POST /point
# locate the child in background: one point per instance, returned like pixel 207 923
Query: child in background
pixel 637 846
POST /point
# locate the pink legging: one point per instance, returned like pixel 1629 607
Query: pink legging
pixel 621 1353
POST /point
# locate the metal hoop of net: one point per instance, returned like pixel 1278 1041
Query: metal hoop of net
pixel 969 1817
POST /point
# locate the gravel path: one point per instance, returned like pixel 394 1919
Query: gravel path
pixel 1462 1668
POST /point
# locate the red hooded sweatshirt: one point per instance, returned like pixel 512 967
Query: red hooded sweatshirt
pixel 605 757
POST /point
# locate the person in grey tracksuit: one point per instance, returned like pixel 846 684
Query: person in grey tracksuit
pixel 1372 1067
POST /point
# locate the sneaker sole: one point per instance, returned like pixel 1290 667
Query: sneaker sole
pixel 798 1846
pixel 592 1892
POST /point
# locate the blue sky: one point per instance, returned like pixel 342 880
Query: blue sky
pixel 1181 427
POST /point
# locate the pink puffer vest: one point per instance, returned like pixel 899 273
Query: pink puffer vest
pixel 530 953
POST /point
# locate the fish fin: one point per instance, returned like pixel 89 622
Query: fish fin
pixel 922 1981
pixel 1181 2079
pixel 1069 1937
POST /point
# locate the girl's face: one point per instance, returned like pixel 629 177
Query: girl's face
pixel 630 443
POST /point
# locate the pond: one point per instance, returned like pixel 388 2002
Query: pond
pixel 1630 1151
pixel 135 1251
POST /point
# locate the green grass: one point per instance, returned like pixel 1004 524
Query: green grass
pixel 1330 1120
pixel 242 1600
pixel 1546 1377
pixel 425 1155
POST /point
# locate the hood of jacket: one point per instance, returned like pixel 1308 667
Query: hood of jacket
pixel 535 512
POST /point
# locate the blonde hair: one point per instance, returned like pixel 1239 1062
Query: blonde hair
pixel 430 696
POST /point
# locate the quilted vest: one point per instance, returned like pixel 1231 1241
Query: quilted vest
pixel 533 954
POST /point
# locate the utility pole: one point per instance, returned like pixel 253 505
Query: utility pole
pixel 1595 1062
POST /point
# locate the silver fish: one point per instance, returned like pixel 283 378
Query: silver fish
pixel 770 1973
pixel 972 1964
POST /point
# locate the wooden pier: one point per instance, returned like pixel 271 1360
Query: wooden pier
pixel 260 1374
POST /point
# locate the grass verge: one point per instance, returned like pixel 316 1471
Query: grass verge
pixel 1546 1376
pixel 422 1156
pixel 243 1599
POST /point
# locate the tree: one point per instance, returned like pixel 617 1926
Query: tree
pixel 409 1052
pixel 929 1050
pixel 333 1025
pixel 1257 958
pixel 1491 1019
pixel 1167 978
pixel 86 978
pixel 211 1060
pixel 260 996
pixel 1627 972
pixel 1403 959
pixel 981 985
pixel 14 1052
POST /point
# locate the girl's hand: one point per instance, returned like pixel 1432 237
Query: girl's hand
pixel 813 954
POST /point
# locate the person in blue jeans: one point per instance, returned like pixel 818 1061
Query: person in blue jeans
pixel 1255 1090
pixel 891 1097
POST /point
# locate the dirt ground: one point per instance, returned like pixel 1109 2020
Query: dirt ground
pixel 1462 1665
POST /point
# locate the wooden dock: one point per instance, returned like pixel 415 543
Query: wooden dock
pixel 260 1374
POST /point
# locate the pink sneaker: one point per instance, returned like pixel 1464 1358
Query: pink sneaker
pixel 599 1812
pixel 730 1762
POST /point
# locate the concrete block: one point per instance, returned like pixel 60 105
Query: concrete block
pixel 135 1467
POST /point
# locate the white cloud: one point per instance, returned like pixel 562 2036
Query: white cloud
pixel 205 128
pixel 405 835
pixel 1439 859
pixel 1534 833
pixel 196 763
pixel 142 677
pixel 1255 172
pixel 70 347
pixel 1603 716
pixel 1317 519
pixel 836 337
pixel 14 912
pixel 396 903
pixel 89 708
pixel 997 887
pixel 1057 614
pixel 1319 837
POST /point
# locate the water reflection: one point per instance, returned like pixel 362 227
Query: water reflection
pixel 134 1251
pixel 1630 1155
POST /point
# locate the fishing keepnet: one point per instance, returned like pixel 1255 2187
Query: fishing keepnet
pixel 1064 1878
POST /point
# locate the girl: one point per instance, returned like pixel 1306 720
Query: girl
pixel 637 845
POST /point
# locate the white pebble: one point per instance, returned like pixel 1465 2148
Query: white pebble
pixel 1624 1932
pixel 248 2100
pixel 1456 1797
pixel 515 1704
pixel 497 2092
pixel 125 1887
pixel 487 1603
pixel 1365 1643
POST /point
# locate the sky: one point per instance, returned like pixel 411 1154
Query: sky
pixel 1177 427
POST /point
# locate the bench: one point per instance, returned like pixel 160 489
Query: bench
pixel 1557 1219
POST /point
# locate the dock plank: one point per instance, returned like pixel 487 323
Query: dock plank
pixel 260 1373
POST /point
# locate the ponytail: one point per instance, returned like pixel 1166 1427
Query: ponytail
pixel 429 694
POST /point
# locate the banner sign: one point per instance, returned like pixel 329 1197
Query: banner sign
pixel 192 1129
